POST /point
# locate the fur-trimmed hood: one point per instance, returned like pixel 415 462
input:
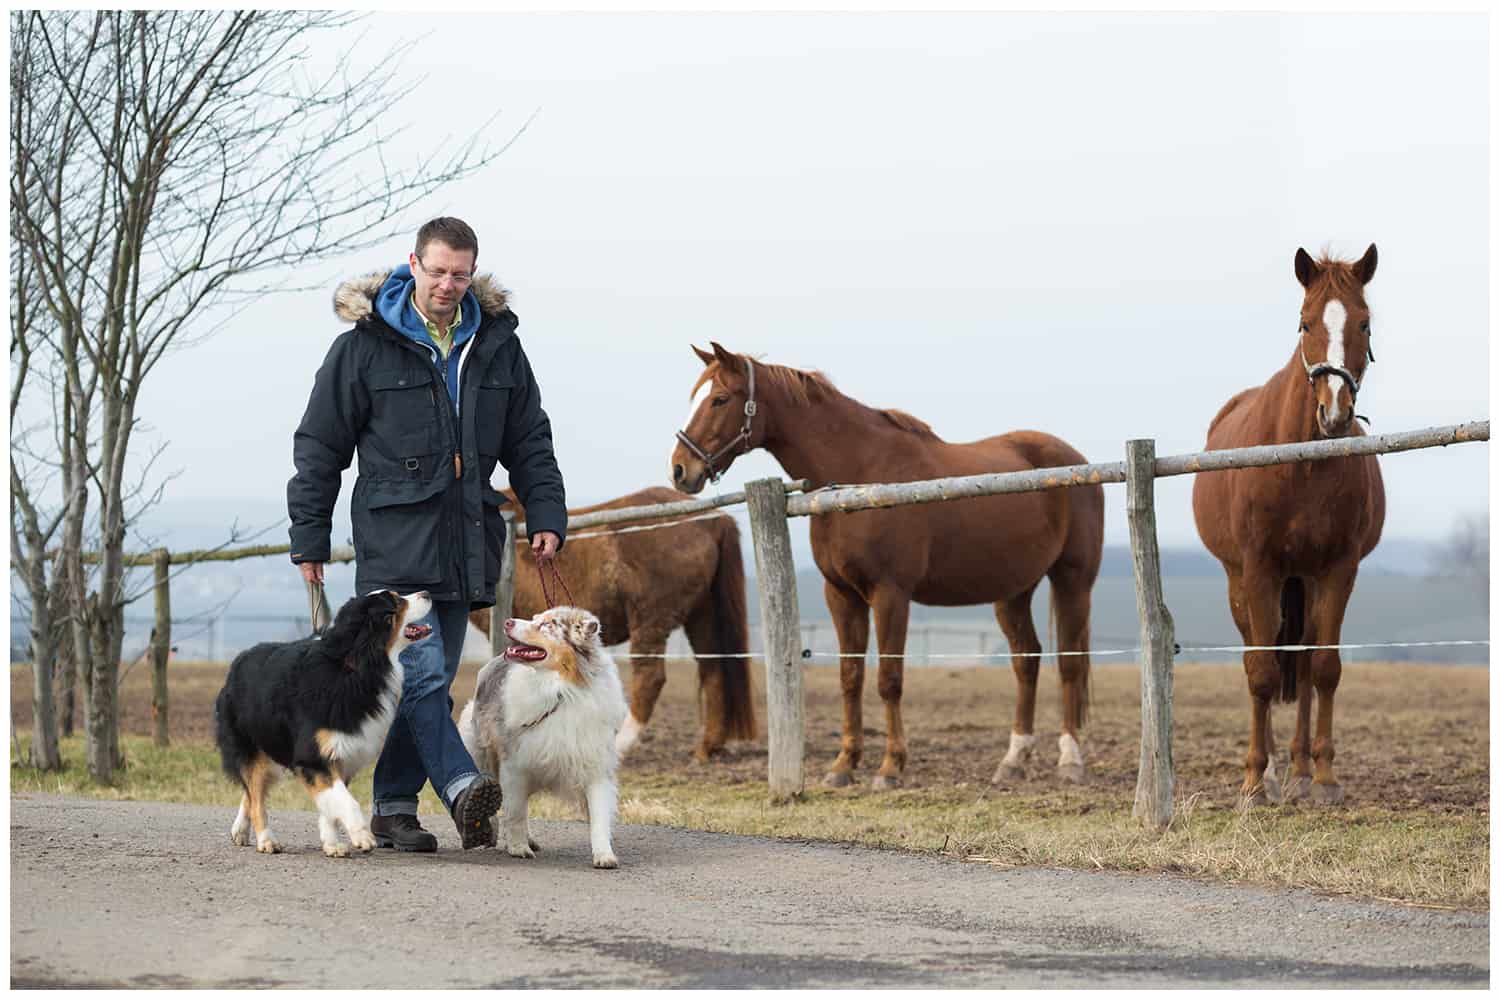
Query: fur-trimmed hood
pixel 354 301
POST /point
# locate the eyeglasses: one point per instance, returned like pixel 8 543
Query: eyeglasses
pixel 459 277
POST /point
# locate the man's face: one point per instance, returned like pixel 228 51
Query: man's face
pixel 438 291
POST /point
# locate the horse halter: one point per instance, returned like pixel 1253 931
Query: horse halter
pixel 743 437
pixel 1325 368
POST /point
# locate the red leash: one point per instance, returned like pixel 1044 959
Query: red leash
pixel 551 561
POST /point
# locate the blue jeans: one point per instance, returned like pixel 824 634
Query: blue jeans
pixel 423 743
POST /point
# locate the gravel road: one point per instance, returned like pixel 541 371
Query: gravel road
pixel 139 894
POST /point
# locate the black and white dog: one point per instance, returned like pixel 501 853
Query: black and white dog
pixel 320 707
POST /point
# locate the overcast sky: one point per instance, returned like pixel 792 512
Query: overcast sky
pixel 1080 223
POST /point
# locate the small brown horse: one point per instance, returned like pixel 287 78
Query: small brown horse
pixel 1291 536
pixel 990 550
pixel 644 584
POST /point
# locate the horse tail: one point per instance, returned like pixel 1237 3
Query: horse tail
pixel 732 633
pixel 1293 607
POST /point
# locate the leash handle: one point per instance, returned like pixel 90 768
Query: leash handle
pixel 551 563
pixel 317 607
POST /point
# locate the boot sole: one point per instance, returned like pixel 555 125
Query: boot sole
pixel 391 842
pixel 475 827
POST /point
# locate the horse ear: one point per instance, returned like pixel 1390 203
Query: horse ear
pixel 1307 270
pixel 729 362
pixel 703 356
pixel 1364 270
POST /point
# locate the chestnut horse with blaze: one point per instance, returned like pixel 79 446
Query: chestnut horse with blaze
pixel 979 550
pixel 642 585
pixel 1291 536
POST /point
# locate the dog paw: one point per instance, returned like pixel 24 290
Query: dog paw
pixel 267 844
pixel 336 850
pixel 606 861
pixel 362 840
pixel 520 851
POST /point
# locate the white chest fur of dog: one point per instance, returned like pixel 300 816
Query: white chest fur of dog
pixel 544 718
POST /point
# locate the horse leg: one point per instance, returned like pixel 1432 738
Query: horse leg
pixel 1014 616
pixel 1260 593
pixel 1331 597
pixel 1299 779
pixel 892 610
pixel 851 620
pixel 1071 601
pixel 712 709
pixel 1240 610
pixel 648 673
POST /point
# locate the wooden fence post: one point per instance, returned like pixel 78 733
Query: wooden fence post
pixel 1155 778
pixel 777 578
pixel 161 644
pixel 505 587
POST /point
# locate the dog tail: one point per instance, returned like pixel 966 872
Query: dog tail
pixel 468 731
pixel 732 633
pixel 234 751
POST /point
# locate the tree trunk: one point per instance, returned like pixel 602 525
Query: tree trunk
pixel 45 754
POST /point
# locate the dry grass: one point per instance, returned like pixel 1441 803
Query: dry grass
pixel 1413 755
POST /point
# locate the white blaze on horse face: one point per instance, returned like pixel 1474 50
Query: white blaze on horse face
pixel 1334 318
pixel 699 398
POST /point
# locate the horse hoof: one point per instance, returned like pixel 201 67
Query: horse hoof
pixel 1299 789
pixel 1074 774
pixel 1254 799
pixel 1327 795
pixel 838 779
pixel 886 781
pixel 1007 773
pixel 1273 788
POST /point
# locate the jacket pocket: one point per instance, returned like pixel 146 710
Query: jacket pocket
pixel 404 409
pixel 398 531
pixel 491 401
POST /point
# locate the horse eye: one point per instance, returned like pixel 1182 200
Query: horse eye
pixel 1365 326
pixel 720 400
pixel 1301 327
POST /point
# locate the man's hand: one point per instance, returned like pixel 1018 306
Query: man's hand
pixel 312 572
pixel 544 544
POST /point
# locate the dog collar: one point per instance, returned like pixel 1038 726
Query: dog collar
pixel 543 717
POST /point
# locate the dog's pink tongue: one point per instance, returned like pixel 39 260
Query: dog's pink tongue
pixel 523 652
pixel 415 632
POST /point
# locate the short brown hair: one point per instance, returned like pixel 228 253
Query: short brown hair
pixel 450 231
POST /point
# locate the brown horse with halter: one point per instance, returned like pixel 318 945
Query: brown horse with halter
pixel 980 550
pixel 1291 536
pixel 644 584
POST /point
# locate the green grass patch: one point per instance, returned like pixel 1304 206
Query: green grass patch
pixel 1426 859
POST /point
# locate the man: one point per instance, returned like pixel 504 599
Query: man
pixel 432 388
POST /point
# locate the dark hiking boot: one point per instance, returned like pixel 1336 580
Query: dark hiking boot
pixel 403 832
pixel 472 811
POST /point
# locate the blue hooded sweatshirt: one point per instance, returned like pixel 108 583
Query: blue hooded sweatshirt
pixel 395 307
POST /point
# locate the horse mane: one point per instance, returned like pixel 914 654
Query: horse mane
pixel 1338 276
pixel 806 387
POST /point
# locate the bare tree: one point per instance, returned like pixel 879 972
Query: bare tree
pixel 163 162
pixel 1465 552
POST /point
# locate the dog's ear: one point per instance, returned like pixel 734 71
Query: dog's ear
pixel 585 629
pixel 362 623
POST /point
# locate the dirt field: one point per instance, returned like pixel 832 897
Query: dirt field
pixel 1409 737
